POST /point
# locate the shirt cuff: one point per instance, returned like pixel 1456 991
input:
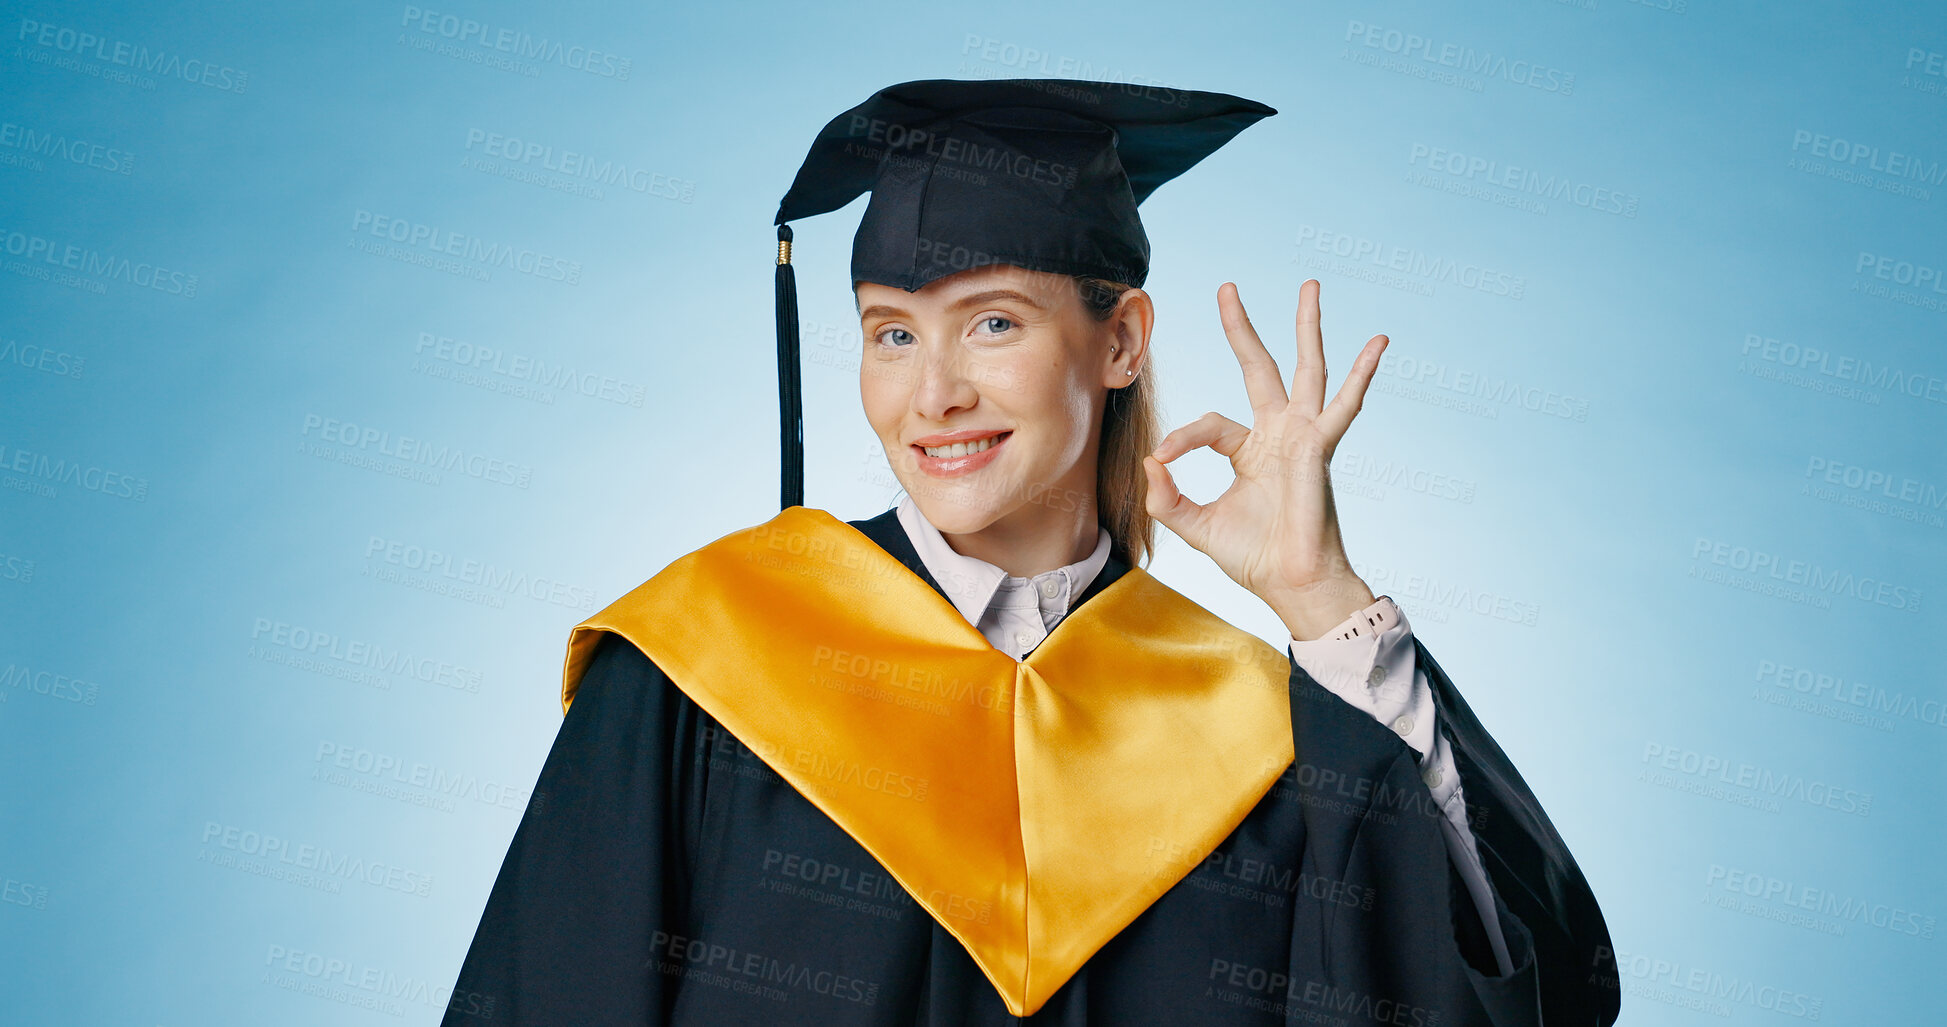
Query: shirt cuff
pixel 1368 661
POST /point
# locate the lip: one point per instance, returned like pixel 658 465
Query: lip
pixel 955 466
pixel 948 438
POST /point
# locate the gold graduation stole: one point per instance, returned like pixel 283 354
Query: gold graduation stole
pixel 1034 808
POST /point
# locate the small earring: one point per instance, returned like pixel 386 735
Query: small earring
pixel 1131 374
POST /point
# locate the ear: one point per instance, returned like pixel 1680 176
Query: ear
pixel 1127 330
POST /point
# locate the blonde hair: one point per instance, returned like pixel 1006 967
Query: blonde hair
pixel 1131 428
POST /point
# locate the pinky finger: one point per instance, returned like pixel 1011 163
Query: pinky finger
pixel 1337 416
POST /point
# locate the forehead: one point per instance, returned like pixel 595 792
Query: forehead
pixel 1046 288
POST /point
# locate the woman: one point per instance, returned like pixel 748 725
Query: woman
pixel 966 762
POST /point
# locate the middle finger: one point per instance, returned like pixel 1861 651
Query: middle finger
pixel 1308 378
pixel 1261 379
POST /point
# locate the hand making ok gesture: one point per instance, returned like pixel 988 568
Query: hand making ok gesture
pixel 1275 530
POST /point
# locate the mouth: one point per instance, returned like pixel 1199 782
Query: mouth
pixel 952 454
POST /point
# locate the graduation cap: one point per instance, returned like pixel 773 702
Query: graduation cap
pixel 1043 174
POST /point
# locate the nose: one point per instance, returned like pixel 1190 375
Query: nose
pixel 944 387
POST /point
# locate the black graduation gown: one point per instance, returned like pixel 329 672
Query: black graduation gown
pixel 663 874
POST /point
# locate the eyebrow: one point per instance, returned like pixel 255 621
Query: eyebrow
pixel 972 300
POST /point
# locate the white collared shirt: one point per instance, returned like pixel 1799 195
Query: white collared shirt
pixel 1014 613
pixel 1368 660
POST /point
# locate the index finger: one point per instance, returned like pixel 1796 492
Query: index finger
pixel 1262 382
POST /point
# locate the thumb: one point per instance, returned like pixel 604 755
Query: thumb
pixel 1170 508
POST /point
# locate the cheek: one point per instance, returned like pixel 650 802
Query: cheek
pixel 1062 405
pixel 1080 413
pixel 881 397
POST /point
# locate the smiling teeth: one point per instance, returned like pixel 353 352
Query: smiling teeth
pixel 961 448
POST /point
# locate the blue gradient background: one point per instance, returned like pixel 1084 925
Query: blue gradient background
pixel 149 713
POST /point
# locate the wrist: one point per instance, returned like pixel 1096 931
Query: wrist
pixel 1308 613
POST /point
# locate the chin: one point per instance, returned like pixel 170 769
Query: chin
pixel 955 511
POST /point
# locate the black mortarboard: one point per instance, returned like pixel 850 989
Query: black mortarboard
pixel 1043 174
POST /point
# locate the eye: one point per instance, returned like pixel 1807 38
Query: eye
pixel 996 325
pixel 894 337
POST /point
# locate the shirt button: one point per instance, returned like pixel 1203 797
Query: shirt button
pixel 1378 674
pixel 1432 777
pixel 1050 588
pixel 1404 725
pixel 1023 639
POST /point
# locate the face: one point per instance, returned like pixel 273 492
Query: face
pixel 986 388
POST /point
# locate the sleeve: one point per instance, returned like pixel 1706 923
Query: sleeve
pixel 1368 661
pixel 1536 879
pixel 1416 949
pixel 598 868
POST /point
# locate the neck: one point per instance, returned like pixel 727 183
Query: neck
pixel 1025 548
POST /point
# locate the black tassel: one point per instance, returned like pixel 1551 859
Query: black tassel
pixel 790 394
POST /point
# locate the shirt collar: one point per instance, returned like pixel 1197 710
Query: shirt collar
pixel 970 583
